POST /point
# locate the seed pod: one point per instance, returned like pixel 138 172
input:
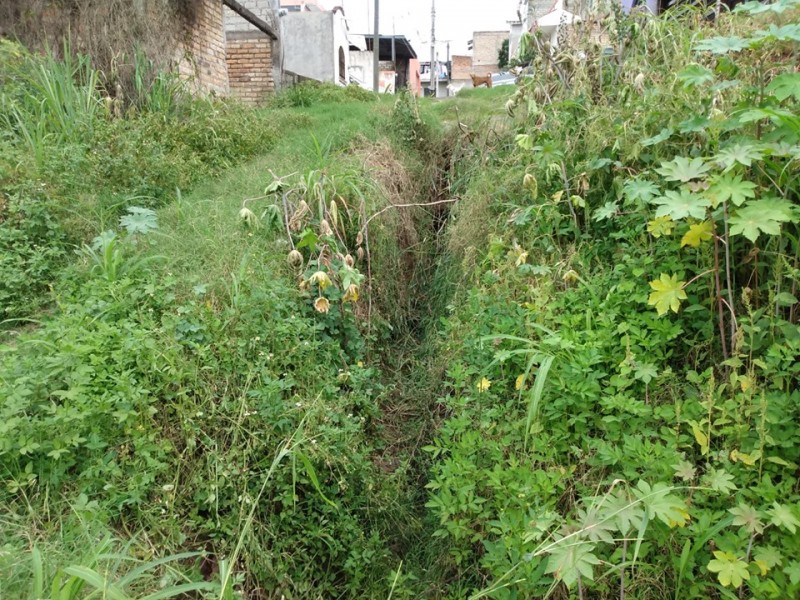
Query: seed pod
pixel 360 253
pixel 348 260
pixel 334 213
pixel 638 83
pixel 359 239
pixel 530 183
pixel 325 228
pixel 295 259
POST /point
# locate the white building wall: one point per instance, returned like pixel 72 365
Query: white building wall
pixel 308 43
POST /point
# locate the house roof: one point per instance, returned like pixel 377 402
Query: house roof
pixel 402 47
pixel 556 17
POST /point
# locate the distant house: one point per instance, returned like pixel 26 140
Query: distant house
pixel 460 70
pixel 485 47
pixel 300 5
pixel 399 67
pixel 315 45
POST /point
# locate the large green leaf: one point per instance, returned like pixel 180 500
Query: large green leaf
pixel 682 169
pixel 730 571
pixel 694 75
pixel 748 517
pixel 783 517
pixel 731 188
pixel 681 204
pixel 722 45
pixel 755 7
pixel 762 216
pixel 570 558
pixel 786 85
pixel 640 190
pixel 661 503
pixel 743 154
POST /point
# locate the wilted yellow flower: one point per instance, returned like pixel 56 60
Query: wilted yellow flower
pixel 519 382
pixel 322 305
pixel 248 217
pixel 571 276
pixel 351 295
pixel 321 279
pixel 483 385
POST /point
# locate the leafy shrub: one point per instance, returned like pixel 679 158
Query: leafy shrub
pixel 617 386
pixel 311 93
pixel 31 251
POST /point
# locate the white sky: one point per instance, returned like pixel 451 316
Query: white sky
pixel 455 20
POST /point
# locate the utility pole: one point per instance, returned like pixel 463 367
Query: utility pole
pixel 376 50
pixel 434 74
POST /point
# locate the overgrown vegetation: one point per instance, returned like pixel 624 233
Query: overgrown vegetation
pixel 72 159
pixel 622 378
pixel 521 344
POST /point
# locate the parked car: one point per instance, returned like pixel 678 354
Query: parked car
pixel 504 78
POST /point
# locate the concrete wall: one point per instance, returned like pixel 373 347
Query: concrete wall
pixel 361 68
pixel 340 44
pixel 513 39
pixel 308 45
pixel 202 60
pixel 485 49
pixel 250 74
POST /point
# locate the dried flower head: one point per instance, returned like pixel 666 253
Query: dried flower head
pixel 325 228
pixel 295 259
pixel 321 305
pixel 349 260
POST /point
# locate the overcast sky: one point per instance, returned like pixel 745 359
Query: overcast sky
pixel 455 20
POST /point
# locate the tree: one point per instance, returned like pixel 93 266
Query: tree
pixel 502 55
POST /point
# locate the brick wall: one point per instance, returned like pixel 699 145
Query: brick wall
pixel 462 67
pixel 250 66
pixel 202 54
pixel 485 49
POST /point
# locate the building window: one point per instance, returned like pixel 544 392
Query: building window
pixel 342 67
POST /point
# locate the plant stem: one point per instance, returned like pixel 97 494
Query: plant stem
pixel 286 218
pixel 747 560
pixel 622 571
pixel 728 276
pixel 718 290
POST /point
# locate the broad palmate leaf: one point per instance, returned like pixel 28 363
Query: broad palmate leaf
pixel 681 204
pixel 667 293
pixel 682 169
pixel 730 571
pixel 762 216
pixel 570 558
